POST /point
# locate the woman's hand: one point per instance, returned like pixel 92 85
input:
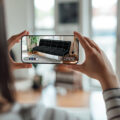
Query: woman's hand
pixel 11 42
pixel 96 64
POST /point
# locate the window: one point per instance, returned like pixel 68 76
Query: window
pixel 104 25
pixel 44 15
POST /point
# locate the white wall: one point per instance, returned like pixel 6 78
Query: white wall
pixel 18 18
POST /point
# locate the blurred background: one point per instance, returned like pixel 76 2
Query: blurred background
pixel 53 85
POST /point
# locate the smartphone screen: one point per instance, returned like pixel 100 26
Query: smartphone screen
pixel 47 49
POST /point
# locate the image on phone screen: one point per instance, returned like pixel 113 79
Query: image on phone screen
pixel 46 49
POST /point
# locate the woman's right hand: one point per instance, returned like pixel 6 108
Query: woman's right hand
pixel 11 42
pixel 96 64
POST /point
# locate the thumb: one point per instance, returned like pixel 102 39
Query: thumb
pixel 22 66
pixel 79 68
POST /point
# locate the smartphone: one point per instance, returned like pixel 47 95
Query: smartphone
pixel 50 49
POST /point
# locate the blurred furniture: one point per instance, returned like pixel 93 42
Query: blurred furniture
pixel 68 79
pixel 76 102
pixel 28 97
pixel 75 99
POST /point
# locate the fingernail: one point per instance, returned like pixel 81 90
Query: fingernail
pixel 27 32
pixel 75 32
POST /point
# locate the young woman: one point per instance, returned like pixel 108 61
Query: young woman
pixel 95 66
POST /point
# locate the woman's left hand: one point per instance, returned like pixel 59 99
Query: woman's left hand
pixel 11 42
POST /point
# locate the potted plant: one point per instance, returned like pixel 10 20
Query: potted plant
pixel 33 42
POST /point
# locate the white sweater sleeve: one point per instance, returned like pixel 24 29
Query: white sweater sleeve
pixel 112 101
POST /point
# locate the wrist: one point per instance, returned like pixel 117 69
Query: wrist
pixel 109 81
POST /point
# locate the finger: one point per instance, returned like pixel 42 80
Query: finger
pixel 83 41
pixel 16 39
pixel 27 32
pixel 22 66
pixel 18 36
pixel 80 68
pixel 93 44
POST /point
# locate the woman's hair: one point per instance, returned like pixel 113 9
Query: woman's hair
pixel 6 80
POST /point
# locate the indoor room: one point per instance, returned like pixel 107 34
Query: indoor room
pixel 53 85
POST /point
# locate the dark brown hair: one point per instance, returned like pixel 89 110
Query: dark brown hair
pixel 6 80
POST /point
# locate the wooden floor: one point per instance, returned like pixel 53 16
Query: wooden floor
pixel 71 99
pixel 74 99
pixel 27 97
